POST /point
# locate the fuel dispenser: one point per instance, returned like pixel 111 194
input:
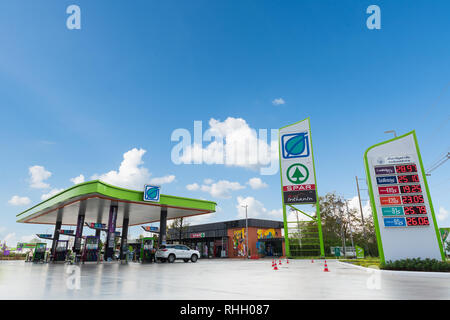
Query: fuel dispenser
pixel 61 250
pixel 39 252
pixel 90 250
pixel 147 250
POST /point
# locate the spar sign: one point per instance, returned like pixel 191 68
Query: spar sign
pixel 296 164
pixel 402 210
pixel 298 176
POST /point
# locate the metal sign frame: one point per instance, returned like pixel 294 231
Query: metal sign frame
pixel 309 153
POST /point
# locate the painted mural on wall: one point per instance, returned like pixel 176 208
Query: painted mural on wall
pixel 261 247
pixel 266 233
pixel 239 242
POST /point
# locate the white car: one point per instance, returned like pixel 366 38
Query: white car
pixel 171 252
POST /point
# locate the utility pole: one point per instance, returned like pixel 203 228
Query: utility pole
pixel 246 231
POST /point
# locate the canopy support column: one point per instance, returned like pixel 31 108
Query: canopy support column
pixel 110 237
pixel 162 226
pixel 80 223
pixel 56 233
pixel 123 241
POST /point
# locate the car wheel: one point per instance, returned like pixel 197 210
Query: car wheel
pixel 194 258
pixel 171 258
pixel 186 260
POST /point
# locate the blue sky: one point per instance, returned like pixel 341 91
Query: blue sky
pixel 75 101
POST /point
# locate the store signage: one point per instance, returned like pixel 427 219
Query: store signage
pixel 151 193
pixel 359 252
pixel 402 209
pixel 97 225
pixel 66 232
pixel 296 164
pixel 151 229
pixel 197 235
pixel 44 236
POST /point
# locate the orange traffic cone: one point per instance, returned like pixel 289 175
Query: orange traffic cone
pixel 280 262
pixel 287 260
pixel 272 263
pixel 275 266
pixel 312 260
pixel 326 267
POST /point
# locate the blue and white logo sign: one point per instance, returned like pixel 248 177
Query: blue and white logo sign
pixel 151 193
pixel 295 145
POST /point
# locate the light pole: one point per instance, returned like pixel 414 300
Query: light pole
pixel 392 131
pixel 246 230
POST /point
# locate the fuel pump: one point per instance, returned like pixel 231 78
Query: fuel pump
pixel 90 250
pixel 39 252
pixel 61 250
pixel 147 250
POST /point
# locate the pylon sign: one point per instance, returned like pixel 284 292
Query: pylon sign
pixel 402 210
pixel 298 176
pixel 297 164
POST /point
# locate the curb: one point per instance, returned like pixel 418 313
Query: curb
pixel 444 275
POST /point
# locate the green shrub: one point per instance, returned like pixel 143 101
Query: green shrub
pixel 417 264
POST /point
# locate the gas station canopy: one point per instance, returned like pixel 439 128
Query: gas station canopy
pixel 98 196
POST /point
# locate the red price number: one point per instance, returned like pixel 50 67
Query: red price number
pixel 408 179
pixel 417 221
pixel 411 189
pixel 415 210
pixel 412 199
pixel 406 168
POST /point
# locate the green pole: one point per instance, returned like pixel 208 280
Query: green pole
pixel 286 233
pixel 319 221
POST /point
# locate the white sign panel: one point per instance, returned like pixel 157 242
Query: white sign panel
pixel 399 197
pixel 296 164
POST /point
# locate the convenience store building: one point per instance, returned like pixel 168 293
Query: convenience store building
pixel 227 239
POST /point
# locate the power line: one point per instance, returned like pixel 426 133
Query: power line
pixel 439 163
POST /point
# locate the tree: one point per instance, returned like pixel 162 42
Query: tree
pixel 177 228
pixel 337 221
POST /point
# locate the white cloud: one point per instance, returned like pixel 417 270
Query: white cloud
pixel 131 173
pixel 19 201
pixel 77 180
pixel 193 186
pixel 278 101
pixel 222 188
pixel 37 176
pixel 202 218
pixel 443 214
pixel 353 203
pixel 208 181
pixel 52 192
pixel 163 180
pixel 255 208
pixel 9 238
pixel 234 143
pixel 257 183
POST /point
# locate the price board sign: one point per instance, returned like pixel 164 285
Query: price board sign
pixel 402 208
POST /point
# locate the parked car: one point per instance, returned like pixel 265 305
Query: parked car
pixel 171 252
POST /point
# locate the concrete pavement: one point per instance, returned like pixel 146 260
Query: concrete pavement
pixel 213 279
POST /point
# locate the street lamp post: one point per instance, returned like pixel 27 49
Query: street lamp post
pixel 392 131
pixel 246 231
